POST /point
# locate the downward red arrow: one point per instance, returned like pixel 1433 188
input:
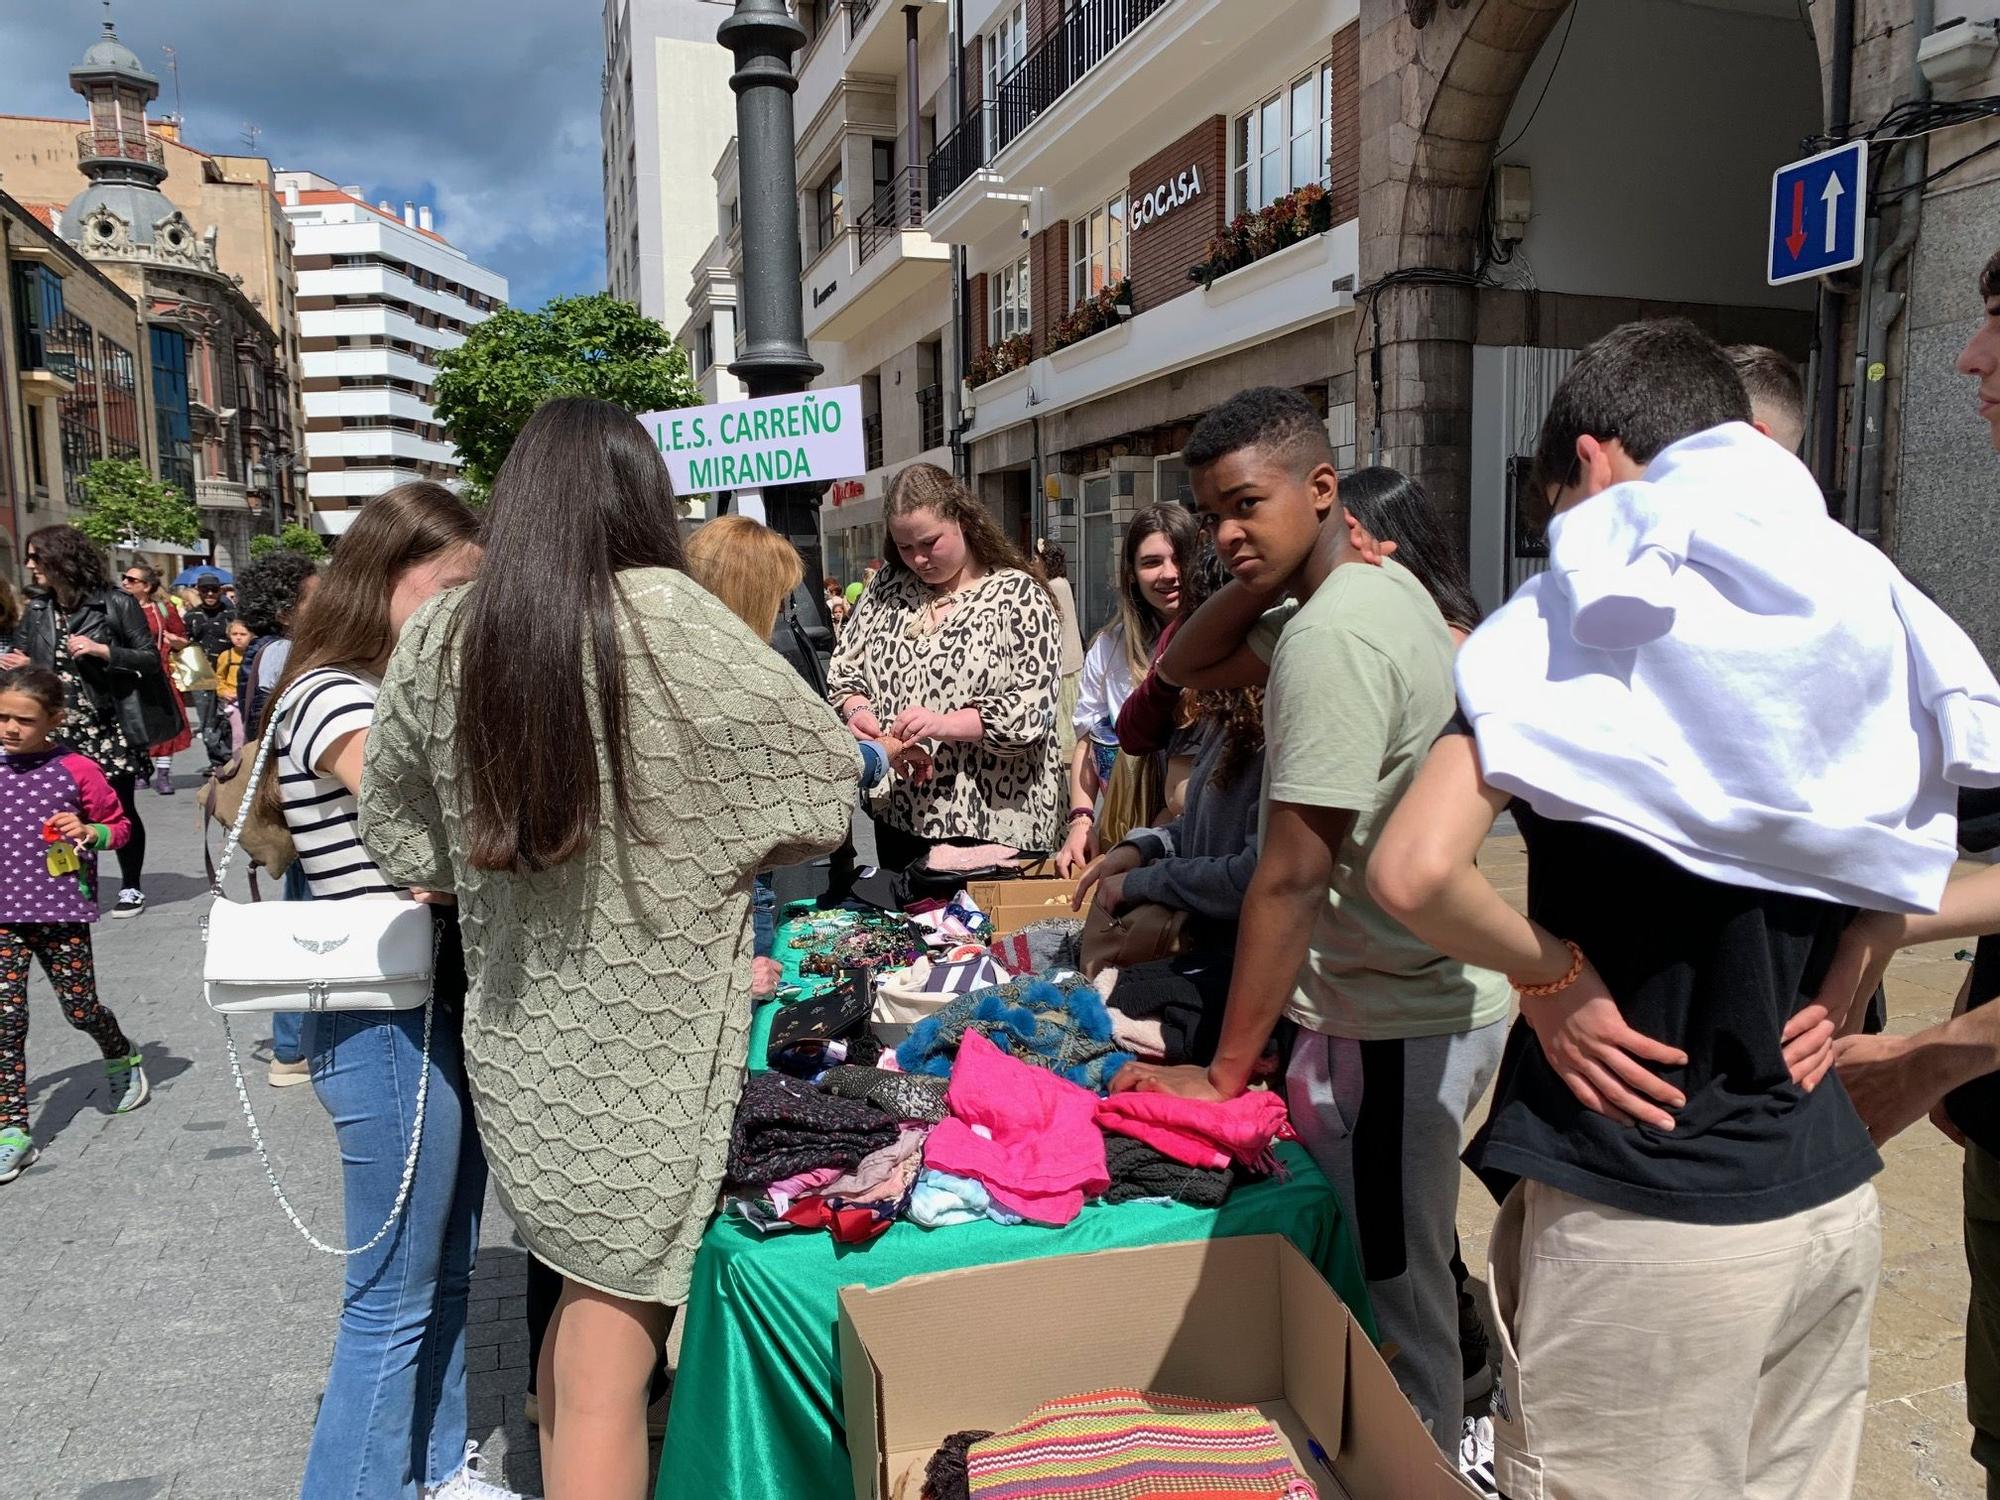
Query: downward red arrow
pixel 1796 240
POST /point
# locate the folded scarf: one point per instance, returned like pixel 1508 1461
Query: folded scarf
pixel 1061 1026
pixel 1030 1137
pixel 1716 669
pixel 784 1126
pixel 1138 1171
pixel 883 1175
pixel 1110 1445
pixel 940 1199
pixel 1208 1133
pixel 900 1096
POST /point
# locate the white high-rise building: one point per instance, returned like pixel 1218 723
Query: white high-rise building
pixel 668 111
pixel 381 293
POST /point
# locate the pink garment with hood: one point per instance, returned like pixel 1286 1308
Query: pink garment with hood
pixel 1029 1136
pixel 1207 1133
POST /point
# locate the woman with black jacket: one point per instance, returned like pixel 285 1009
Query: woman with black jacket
pixel 119 700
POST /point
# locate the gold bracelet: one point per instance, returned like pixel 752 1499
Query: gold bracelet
pixel 1544 991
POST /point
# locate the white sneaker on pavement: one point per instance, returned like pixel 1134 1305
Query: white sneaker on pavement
pixel 468 1483
pixel 1475 1454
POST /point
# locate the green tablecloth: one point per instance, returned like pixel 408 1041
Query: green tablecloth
pixel 757 1404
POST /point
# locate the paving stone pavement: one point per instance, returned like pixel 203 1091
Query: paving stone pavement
pixel 167 1332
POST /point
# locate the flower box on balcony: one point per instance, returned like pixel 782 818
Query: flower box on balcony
pixel 1251 237
pixel 1101 310
pixel 1003 358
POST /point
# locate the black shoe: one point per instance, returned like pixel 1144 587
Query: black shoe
pixel 1474 1350
pixel 130 903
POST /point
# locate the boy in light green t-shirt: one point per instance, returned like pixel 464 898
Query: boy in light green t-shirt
pixel 1397 1042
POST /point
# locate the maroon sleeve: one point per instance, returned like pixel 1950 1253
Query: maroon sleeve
pixel 100 803
pixel 1151 715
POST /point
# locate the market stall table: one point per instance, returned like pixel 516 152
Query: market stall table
pixel 757 1404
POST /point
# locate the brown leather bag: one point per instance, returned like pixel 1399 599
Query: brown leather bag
pixel 1139 934
pixel 221 798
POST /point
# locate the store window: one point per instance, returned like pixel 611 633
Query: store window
pixel 1098 250
pixel 1170 481
pixel 1284 143
pixel 1008 314
pixel 1100 560
pixel 705 346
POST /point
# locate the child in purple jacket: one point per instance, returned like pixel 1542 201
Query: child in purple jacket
pixel 56 812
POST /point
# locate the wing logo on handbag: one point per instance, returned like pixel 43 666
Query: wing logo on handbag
pixel 318 945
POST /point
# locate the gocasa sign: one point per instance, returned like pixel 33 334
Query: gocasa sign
pixel 1176 192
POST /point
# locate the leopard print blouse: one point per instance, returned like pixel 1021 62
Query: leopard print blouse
pixel 999 651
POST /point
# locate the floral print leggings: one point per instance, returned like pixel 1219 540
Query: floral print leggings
pixel 64 949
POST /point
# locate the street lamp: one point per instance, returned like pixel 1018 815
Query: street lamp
pixel 762 35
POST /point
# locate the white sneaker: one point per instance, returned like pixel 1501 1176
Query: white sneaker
pixel 468 1483
pixel 1475 1454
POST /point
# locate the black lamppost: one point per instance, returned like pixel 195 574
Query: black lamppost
pixel 763 36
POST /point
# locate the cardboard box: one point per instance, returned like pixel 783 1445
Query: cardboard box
pixel 1247 1320
pixel 1013 904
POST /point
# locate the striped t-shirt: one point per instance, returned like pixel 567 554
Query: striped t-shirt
pixel 320 811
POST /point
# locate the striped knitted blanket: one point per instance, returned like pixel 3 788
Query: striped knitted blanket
pixel 1132 1445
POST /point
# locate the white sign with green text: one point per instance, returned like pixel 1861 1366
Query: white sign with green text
pixel 749 445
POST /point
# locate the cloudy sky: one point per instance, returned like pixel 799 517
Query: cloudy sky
pixel 487 109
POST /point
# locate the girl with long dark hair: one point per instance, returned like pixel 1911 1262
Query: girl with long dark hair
pixel 956 644
pixel 392 1421
pixel 1393 509
pixel 119 701
pixel 141 581
pixel 598 783
pixel 1158 554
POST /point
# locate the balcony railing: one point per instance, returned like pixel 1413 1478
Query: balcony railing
pixel 899 206
pixel 857 16
pixel 871 438
pixel 1089 33
pixel 930 417
pixel 119 145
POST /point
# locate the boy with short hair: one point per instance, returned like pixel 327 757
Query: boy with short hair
pixel 1777 395
pixel 1359 687
pixel 1723 721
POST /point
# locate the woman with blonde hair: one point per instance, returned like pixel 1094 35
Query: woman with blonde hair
pixel 747 566
pixel 956 645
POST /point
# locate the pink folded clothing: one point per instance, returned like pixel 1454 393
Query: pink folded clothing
pixel 951 858
pixel 1208 1133
pixel 1030 1137
pixel 782 1192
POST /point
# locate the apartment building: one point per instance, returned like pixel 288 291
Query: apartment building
pixel 381 294
pixel 194 241
pixel 1099 157
pixel 711 333
pixel 877 286
pixel 666 114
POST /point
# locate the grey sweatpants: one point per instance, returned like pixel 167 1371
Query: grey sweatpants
pixel 1385 1121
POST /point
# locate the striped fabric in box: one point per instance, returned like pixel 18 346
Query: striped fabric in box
pixel 1131 1445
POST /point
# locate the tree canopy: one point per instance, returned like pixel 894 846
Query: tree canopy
pixel 123 502
pixel 294 538
pixel 490 385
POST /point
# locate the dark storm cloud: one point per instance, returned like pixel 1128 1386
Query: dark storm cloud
pixel 487 109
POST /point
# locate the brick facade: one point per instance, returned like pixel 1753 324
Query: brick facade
pixel 1043 17
pixel 1164 249
pixel 1345 188
pixel 975 314
pixel 971 76
pixel 1048 283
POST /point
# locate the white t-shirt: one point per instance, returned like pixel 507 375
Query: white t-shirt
pixel 1106 681
pixel 320 811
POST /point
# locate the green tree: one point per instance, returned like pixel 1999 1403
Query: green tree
pixel 294 538
pixel 490 385
pixel 123 502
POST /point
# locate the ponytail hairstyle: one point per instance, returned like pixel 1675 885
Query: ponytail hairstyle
pixel 582 497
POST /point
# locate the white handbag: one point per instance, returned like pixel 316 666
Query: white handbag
pixel 372 953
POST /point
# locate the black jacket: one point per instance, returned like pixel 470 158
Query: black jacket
pixel 130 688
pixel 209 629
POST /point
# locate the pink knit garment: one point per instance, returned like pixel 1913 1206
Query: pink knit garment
pixel 1029 1136
pixel 1207 1133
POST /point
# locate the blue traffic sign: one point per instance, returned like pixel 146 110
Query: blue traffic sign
pixel 1818 210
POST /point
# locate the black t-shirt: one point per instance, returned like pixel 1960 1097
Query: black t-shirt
pixel 1975 1107
pixel 1715 970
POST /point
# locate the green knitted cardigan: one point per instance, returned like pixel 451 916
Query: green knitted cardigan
pixel 609 1012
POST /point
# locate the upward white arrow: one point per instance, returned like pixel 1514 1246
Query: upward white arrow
pixel 1831 198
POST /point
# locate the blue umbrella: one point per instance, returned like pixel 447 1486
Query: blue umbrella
pixel 189 575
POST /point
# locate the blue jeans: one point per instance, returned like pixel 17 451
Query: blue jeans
pixel 393 1415
pixel 764 917
pixel 287 1037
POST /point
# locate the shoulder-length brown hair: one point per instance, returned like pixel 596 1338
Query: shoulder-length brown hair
pixel 927 487
pixel 582 497
pixel 748 566
pixel 346 622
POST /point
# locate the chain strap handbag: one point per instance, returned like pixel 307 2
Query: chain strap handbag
pixel 367 954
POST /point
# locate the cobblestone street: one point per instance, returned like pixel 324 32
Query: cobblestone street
pixel 168 1332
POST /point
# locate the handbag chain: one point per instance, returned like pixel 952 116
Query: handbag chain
pixel 236 1064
